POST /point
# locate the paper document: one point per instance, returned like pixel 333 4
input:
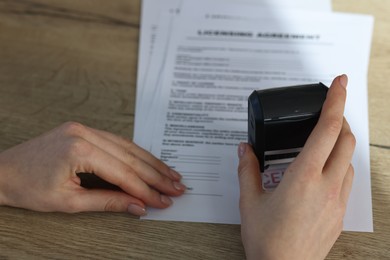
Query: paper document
pixel 216 56
pixel 151 12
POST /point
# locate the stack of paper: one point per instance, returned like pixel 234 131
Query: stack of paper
pixel 199 61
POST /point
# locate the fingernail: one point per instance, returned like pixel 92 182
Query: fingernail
pixel 175 174
pixel 166 200
pixel 343 79
pixel 136 210
pixel 241 149
pixel 179 186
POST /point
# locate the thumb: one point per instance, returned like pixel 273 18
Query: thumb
pixel 106 200
pixel 248 175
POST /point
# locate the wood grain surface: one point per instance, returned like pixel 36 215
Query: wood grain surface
pixel 77 60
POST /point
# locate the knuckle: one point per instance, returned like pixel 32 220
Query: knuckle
pixel 164 169
pixel 159 166
pixel 242 169
pixel 78 147
pixel 125 180
pixel 113 205
pixel 333 125
pixel 350 139
pixel 130 145
pixel 158 179
pixel 73 128
pixel 130 157
pixel 247 165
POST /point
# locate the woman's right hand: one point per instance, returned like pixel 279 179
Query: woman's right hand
pixel 303 217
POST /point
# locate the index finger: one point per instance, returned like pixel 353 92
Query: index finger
pixel 138 151
pixel 92 159
pixel 323 138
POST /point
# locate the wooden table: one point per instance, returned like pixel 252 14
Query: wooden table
pixel 77 60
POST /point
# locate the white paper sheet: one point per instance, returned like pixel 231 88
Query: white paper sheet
pixel 200 139
pixel 151 12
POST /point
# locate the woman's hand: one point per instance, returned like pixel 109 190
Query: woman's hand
pixel 303 217
pixel 41 174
